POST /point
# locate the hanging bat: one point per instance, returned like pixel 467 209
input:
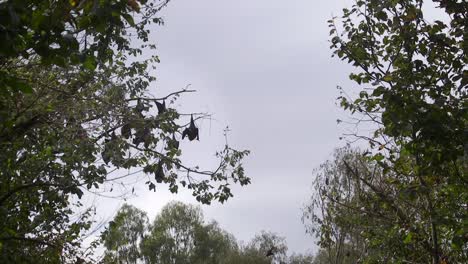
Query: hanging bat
pixel 191 132
pixel 161 107
pixel 126 131
pixel 159 174
pixel 173 143
pixel 271 251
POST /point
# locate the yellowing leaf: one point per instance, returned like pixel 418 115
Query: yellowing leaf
pixel 388 78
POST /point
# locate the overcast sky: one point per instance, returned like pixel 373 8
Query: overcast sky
pixel 262 67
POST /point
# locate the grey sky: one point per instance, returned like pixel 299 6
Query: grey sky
pixel 263 67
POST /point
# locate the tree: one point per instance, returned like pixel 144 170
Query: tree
pixel 214 245
pixel 265 247
pixel 179 235
pixel 75 113
pixel 414 92
pixel 347 215
pixel 172 234
pixel 123 237
pixel 301 259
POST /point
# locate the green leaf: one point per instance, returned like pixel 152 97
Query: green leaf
pixel 387 78
pixel 129 19
pixel 379 91
pixel 381 15
pixel 408 238
pixel 378 157
pixel 90 63
pixel 24 87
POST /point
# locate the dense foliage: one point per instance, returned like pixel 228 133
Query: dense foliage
pixel 179 234
pixel 124 235
pixel 76 112
pixel 404 200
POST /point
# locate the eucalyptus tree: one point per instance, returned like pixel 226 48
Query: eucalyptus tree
pixel 265 247
pixel 301 258
pixel 124 234
pixel 179 234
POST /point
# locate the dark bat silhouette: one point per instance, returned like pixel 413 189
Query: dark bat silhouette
pixel 191 132
pixel 140 107
pixel 159 174
pixel 126 131
pixel 161 107
pixel 173 143
pixel 271 252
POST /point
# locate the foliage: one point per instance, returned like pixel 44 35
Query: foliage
pixel 214 245
pixel 85 33
pixel 257 250
pixel 359 215
pixel 301 259
pixel 173 234
pixel 406 197
pixel 180 235
pixel 264 248
pixel 124 235
pixel 76 112
pixel 326 256
pixel 346 211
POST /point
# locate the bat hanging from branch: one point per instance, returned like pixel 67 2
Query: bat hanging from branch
pixel 192 131
pixel 161 107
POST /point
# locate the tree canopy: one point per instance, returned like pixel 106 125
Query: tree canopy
pixel 404 199
pixel 76 112
pixel 179 234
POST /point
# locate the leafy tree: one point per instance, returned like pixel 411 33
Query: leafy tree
pixel 301 259
pixel 326 256
pixel 214 245
pixel 86 33
pixel 123 237
pixel 356 212
pixel 266 247
pixel 75 113
pixel 172 234
pixel 414 81
pixel 344 212
pixel 179 235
